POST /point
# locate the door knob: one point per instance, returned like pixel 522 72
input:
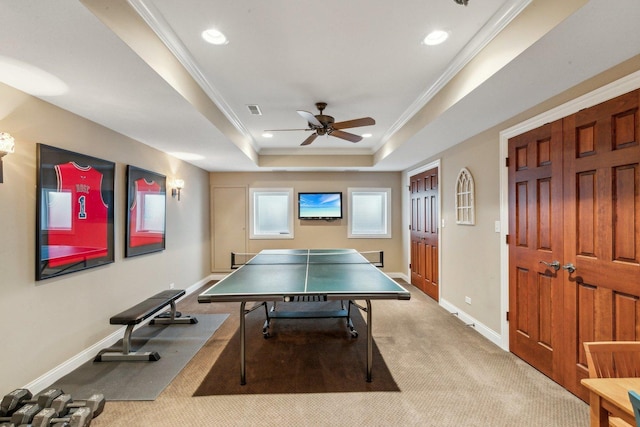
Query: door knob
pixel 555 264
pixel 569 267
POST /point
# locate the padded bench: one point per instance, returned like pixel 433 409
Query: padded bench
pixel 139 313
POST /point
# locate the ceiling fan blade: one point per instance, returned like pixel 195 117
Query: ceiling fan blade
pixel 285 130
pixel 309 140
pixel 365 121
pixel 346 135
pixel 310 118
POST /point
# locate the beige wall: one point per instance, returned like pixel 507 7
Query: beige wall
pixel 471 253
pixel 46 323
pixel 323 234
pixel 471 263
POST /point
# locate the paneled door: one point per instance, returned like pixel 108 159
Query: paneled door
pixel 228 223
pixel 535 247
pixel 602 229
pixel 574 237
pixel 424 232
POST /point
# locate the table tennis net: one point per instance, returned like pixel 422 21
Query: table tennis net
pixel 239 259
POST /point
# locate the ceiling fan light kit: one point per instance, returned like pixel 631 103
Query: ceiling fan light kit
pixel 322 124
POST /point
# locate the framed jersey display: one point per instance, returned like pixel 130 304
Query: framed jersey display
pixel 146 209
pixel 75 210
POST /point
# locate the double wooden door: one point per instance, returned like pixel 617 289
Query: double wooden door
pixel 574 237
pixel 424 232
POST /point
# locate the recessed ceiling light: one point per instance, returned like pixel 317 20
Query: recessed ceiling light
pixel 267 135
pixel 435 37
pixel 214 36
pixel 367 135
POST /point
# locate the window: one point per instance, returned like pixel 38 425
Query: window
pixel 271 213
pixel 369 213
pixel 465 210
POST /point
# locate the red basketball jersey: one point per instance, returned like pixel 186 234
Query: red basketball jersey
pixel 146 217
pixel 85 234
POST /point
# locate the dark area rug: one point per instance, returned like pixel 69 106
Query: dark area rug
pixel 176 344
pixel 300 356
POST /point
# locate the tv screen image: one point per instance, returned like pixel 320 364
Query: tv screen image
pixel 320 205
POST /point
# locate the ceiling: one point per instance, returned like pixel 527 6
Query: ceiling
pixel 141 68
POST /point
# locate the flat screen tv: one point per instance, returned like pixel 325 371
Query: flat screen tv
pixel 327 205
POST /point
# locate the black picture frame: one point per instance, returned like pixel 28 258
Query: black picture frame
pixel 146 212
pixel 74 212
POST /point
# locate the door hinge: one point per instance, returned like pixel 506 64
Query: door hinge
pixel 506 162
pixel 507 316
pixel 506 239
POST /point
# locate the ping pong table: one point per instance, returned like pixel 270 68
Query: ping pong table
pixel 287 275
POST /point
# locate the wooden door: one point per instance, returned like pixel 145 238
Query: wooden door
pixel 535 247
pixel 228 223
pixel 586 216
pixel 424 232
pixel 602 229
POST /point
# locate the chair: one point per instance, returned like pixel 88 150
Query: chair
pixel 635 402
pixel 613 359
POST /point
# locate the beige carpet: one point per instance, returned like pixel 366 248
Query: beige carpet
pixel 448 375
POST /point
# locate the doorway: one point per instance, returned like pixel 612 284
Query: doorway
pixel 574 237
pixel 424 226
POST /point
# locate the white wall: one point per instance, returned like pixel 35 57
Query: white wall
pixel 45 323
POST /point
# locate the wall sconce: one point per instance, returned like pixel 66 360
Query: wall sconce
pixel 178 184
pixel 7 145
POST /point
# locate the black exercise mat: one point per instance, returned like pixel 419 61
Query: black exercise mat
pixel 176 344
pixel 301 356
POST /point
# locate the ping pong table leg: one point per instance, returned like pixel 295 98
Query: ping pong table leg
pixel 369 341
pixel 242 333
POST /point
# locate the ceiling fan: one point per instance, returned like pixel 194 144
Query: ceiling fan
pixel 322 124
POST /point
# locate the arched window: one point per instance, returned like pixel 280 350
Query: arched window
pixel 465 194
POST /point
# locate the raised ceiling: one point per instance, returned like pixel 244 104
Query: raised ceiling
pixel 141 68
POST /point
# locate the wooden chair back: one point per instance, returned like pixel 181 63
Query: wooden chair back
pixel 613 359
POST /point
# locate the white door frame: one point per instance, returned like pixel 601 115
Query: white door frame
pixel 407 231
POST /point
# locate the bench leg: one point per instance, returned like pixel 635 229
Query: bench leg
pixel 172 319
pixel 127 354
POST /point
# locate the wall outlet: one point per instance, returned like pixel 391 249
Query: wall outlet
pixel 171 285
pixel 467 300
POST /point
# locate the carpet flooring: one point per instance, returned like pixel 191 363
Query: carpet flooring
pixel 447 373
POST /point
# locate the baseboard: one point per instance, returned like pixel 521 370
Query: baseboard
pixel 89 353
pixel 217 276
pixel 482 329
pixel 402 276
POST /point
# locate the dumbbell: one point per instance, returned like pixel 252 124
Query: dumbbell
pixel 24 415
pixel 45 398
pixel 47 417
pixel 12 401
pixel 18 399
pixel 21 396
pixel 64 405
